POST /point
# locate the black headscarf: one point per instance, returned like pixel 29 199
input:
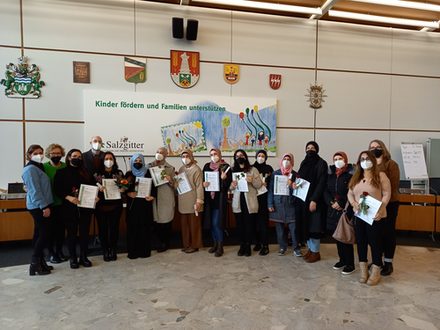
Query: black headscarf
pixel 263 168
pixel 307 169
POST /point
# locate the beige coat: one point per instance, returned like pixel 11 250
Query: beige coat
pixel 251 196
pixel 187 200
pixel 165 202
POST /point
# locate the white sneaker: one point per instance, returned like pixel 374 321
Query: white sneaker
pixel 297 253
pixel 281 252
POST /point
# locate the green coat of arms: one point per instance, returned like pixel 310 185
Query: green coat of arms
pixel 22 80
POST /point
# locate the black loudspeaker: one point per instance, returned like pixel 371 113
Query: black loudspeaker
pixel 177 27
pixel 191 29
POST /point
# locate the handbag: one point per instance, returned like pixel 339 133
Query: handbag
pixel 344 231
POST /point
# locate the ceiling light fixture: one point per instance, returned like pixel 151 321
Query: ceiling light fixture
pixel 403 4
pixel 265 5
pixel 384 19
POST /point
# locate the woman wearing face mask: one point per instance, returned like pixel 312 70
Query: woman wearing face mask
pixel 367 179
pixel 336 198
pixel 163 205
pixel 38 202
pixel 245 204
pixel 311 213
pixel 216 201
pixel 108 212
pixel 282 208
pixel 57 227
pixel 139 211
pixel 391 169
pixel 191 204
pixel 67 184
pixel 262 217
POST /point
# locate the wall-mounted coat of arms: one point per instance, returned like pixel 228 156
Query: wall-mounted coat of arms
pixel 316 96
pixel 22 80
pixel 185 68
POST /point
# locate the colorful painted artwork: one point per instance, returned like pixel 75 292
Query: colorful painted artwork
pixel 184 136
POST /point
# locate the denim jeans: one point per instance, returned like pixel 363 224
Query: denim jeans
pixel 280 235
pixel 314 244
pixel 216 226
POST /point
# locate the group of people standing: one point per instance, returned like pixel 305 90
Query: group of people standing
pixel 52 200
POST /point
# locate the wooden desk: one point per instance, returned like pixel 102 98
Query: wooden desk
pixel 16 223
pixel 417 212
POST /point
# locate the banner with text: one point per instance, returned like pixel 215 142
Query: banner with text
pixel 132 122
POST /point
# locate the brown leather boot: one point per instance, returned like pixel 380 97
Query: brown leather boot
pixel 375 275
pixel 307 254
pixel 314 257
pixel 363 266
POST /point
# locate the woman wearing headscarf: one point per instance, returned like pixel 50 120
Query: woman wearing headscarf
pixel 216 201
pixel 282 208
pixel 336 198
pixel 191 204
pixel 311 213
pixel 38 202
pixel 391 169
pixel 139 211
pixel 368 180
pixel 67 184
pixel 262 217
pixel 245 204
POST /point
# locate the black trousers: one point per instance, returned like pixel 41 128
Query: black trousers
pixel 163 232
pixel 41 234
pixel 57 230
pixel 389 234
pixel 245 222
pixel 369 235
pixel 261 224
pixel 77 220
pixel 108 227
pixel 139 227
pixel 346 253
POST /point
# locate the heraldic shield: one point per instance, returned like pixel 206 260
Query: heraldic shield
pixel 185 68
pixel 231 73
pixel 275 81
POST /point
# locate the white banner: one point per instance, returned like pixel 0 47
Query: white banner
pixel 130 122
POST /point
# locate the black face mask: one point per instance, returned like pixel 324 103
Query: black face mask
pixel 377 152
pixel 241 161
pixel 55 159
pixel 310 152
pixel 76 162
pixel 137 166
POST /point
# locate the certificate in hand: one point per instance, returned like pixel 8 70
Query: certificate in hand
pixel 214 181
pixel 111 190
pixel 158 175
pixel 240 177
pixel 183 185
pixel 373 207
pixel 143 187
pixel 302 190
pixel 87 196
pixel 281 185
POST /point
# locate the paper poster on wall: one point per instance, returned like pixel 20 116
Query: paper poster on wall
pixel 132 122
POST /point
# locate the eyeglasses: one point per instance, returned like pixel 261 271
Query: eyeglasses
pixel 364 159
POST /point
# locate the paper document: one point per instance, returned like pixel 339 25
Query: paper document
pixel 281 185
pixel 214 181
pixel 143 187
pixel 302 190
pixel 373 207
pixel 183 185
pixel 111 190
pixel 158 175
pixel 87 196
pixel 240 177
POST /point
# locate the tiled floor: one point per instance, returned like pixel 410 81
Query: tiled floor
pixel 198 291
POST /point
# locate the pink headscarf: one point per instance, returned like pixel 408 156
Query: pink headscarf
pixel 286 171
pixel 215 166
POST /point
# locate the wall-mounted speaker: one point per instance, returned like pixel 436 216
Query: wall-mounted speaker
pixel 191 29
pixel 177 27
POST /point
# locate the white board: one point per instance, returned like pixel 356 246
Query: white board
pixel 414 162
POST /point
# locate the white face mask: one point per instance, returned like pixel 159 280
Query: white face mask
pixel 37 158
pixel 159 157
pixel 286 163
pixel 215 159
pixel 366 164
pixel 108 163
pixel 186 161
pixel 339 163
pixel 261 160
pixel 96 146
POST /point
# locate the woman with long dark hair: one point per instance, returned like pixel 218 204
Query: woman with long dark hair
pixel 67 184
pixel 368 180
pixel 38 201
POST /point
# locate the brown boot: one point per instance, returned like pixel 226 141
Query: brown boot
pixel 314 257
pixel 364 272
pixel 307 254
pixel 375 275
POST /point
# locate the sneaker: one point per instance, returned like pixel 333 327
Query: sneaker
pixel 297 253
pixel 281 252
pixel 338 265
pixel 347 270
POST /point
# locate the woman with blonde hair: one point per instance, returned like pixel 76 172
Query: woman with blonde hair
pixel 368 180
